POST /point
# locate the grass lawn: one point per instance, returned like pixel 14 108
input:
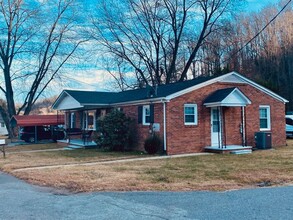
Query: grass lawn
pixel 212 172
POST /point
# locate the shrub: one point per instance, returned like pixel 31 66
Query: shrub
pixel 152 144
pixel 115 131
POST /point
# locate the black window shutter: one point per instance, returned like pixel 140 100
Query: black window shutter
pixel 139 114
pixel 152 113
pixel 69 120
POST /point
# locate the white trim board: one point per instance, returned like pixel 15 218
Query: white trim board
pixel 229 77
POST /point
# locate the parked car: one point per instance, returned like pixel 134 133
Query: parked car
pixel 289 125
pixel 43 133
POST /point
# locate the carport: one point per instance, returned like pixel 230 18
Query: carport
pixel 35 121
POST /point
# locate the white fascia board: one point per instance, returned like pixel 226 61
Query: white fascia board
pixel 66 102
pixel 141 102
pixel 218 79
pixel 198 86
pixel 58 99
pixel 261 88
pixel 218 104
pixel 236 95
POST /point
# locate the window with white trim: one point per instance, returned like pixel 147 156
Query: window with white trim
pixel 264 118
pixel 146 115
pixel 190 114
pixel 90 120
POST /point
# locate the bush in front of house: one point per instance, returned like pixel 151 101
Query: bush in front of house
pixel 152 144
pixel 115 131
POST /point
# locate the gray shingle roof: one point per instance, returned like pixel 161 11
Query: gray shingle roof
pixel 219 95
pixel 94 97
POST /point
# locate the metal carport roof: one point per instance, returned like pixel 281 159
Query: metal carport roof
pixel 37 120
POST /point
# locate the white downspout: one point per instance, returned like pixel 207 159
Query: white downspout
pixel 165 132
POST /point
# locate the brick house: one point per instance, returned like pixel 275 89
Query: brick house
pixel 207 112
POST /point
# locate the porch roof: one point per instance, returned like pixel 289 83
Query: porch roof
pixel 232 97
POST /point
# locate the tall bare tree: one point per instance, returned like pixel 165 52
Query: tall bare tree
pixel 37 39
pixel 268 59
pixel 160 39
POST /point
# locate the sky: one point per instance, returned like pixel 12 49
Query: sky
pixel 92 77
pixel 256 5
pixel 96 78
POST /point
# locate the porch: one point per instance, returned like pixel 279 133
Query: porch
pixel 76 144
pixel 226 127
pixel 229 149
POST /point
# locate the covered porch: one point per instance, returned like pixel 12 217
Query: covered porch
pixel 228 121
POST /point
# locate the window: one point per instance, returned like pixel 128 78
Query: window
pixel 190 114
pixel 146 115
pixel 264 118
pixel 89 120
pixel 72 120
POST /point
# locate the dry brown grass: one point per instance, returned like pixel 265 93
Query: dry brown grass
pixel 213 172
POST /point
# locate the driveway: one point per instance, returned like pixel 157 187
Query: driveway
pixel 19 200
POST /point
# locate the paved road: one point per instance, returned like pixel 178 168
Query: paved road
pixel 19 200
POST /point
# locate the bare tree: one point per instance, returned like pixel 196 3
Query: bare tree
pixel 268 59
pixel 154 36
pixel 37 41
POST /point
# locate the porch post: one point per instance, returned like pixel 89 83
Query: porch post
pixel 224 128
pixel 36 135
pixel 243 116
pixel 219 128
pixel 165 132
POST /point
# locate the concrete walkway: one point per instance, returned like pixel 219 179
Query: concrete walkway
pixel 111 161
pixel 35 151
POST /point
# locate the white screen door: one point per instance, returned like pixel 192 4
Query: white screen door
pixel 215 128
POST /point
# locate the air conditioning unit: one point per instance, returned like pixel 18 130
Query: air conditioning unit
pixel 263 140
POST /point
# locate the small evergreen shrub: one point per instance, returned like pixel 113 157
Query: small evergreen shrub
pixel 115 131
pixel 152 144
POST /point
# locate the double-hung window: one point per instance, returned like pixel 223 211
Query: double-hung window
pixel 146 115
pixel 190 114
pixel 264 118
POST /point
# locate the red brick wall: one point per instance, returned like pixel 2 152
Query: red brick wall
pixel 187 139
pixel 143 131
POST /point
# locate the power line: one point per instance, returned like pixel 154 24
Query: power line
pixel 255 36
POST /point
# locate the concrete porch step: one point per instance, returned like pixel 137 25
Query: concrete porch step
pixel 68 148
pixel 249 151
pixel 72 147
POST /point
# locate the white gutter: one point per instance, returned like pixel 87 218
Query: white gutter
pixel 165 131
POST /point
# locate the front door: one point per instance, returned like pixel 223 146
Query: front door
pixel 216 140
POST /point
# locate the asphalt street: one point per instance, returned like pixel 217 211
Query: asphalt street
pixel 19 200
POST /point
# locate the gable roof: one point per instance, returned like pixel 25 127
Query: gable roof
pixel 162 92
pixel 109 98
pixel 227 97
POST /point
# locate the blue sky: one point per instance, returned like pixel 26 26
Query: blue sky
pixel 97 77
pixel 256 5
pixel 91 77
